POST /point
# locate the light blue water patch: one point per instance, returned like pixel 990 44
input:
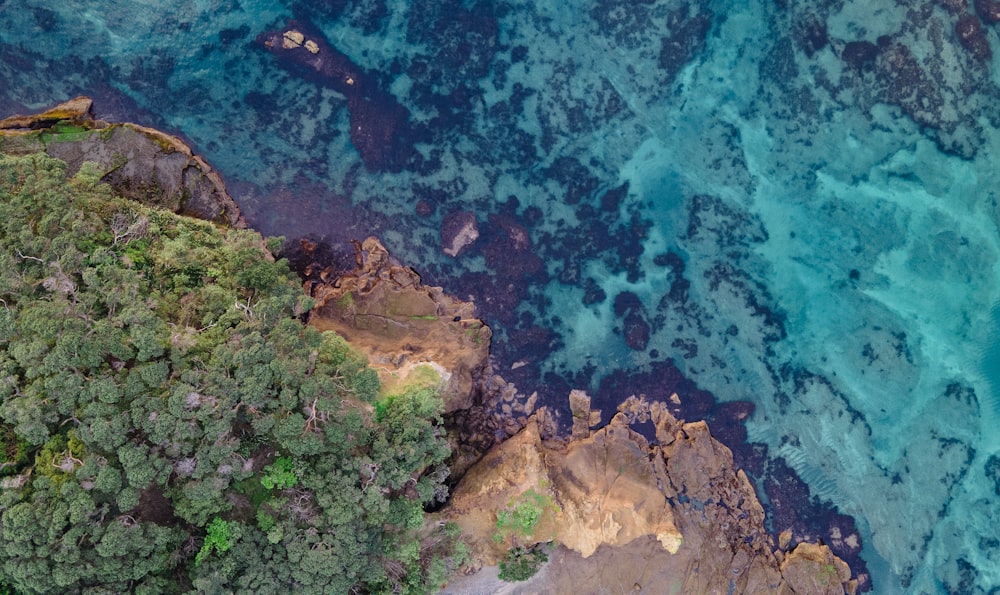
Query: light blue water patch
pixel 991 359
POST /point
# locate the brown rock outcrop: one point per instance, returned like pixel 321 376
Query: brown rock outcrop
pixel 75 110
pixel 137 162
pixel 408 331
pixel 812 568
pixel 675 517
pixel 596 492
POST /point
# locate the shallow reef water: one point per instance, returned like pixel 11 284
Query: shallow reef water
pixel 786 212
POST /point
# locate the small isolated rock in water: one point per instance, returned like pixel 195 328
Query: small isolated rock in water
pixel 973 38
pixel 293 39
pixel 312 47
pixel 860 55
pixel 458 231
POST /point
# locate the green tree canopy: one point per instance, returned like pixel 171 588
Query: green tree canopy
pixel 168 424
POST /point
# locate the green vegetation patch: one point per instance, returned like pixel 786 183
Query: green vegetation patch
pixel 62 132
pixel 521 517
pixel 418 376
pixel 520 564
pixel 169 425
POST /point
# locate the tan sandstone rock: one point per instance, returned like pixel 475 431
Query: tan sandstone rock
pixel 607 487
pixel 292 39
pixel 677 517
pixel 813 569
pixel 76 109
pixel 409 332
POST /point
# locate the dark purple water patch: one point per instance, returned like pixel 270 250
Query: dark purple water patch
pixel 688 27
pixel 496 298
pixel 534 339
pixel 710 218
pixel 150 75
pixel 598 234
pixel 635 327
pixel 611 201
pixel 908 86
pixel 509 252
pixel 755 296
pixel 679 286
pixel 380 128
pixel 576 180
pixel 662 380
pixel 510 142
pixel 630 240
pixel 811 34
pixel 778 65
pixel 46 20
pixel 992 470
pixel 366 15
pixel 627 21
pixel 988 10
pixel 791 506
pixel 462 40
pixel 282 211
pixel 860 55
pixel 379 131
pixel 229 36
pixel 593 293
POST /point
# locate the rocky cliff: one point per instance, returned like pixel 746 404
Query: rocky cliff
pixel 138 162
pixel 671 515
pixel 410 332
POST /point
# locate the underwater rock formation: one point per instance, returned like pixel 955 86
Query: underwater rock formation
pixel 459 230
pixel 379 124
pixel 138 162
pixel 972 37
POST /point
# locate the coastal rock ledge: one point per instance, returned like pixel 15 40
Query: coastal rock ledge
pixel 411 333
pixel 674 516
pixel 140 163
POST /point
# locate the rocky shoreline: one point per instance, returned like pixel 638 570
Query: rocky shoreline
pixel 674 515
pixel 671 511
pixel 137 162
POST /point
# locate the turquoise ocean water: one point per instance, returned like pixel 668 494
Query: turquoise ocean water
pixel 794 204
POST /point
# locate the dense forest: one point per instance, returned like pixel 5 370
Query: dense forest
pixel 168 424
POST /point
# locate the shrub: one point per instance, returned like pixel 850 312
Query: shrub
pixel 521 563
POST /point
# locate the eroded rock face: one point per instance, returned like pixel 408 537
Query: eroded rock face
pixel 672 517
pixel 811 568
pixel 410 332
pixel 600 490
pixel 608 492
pixel 140 163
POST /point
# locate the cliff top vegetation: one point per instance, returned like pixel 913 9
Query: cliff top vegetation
pixel 168 424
